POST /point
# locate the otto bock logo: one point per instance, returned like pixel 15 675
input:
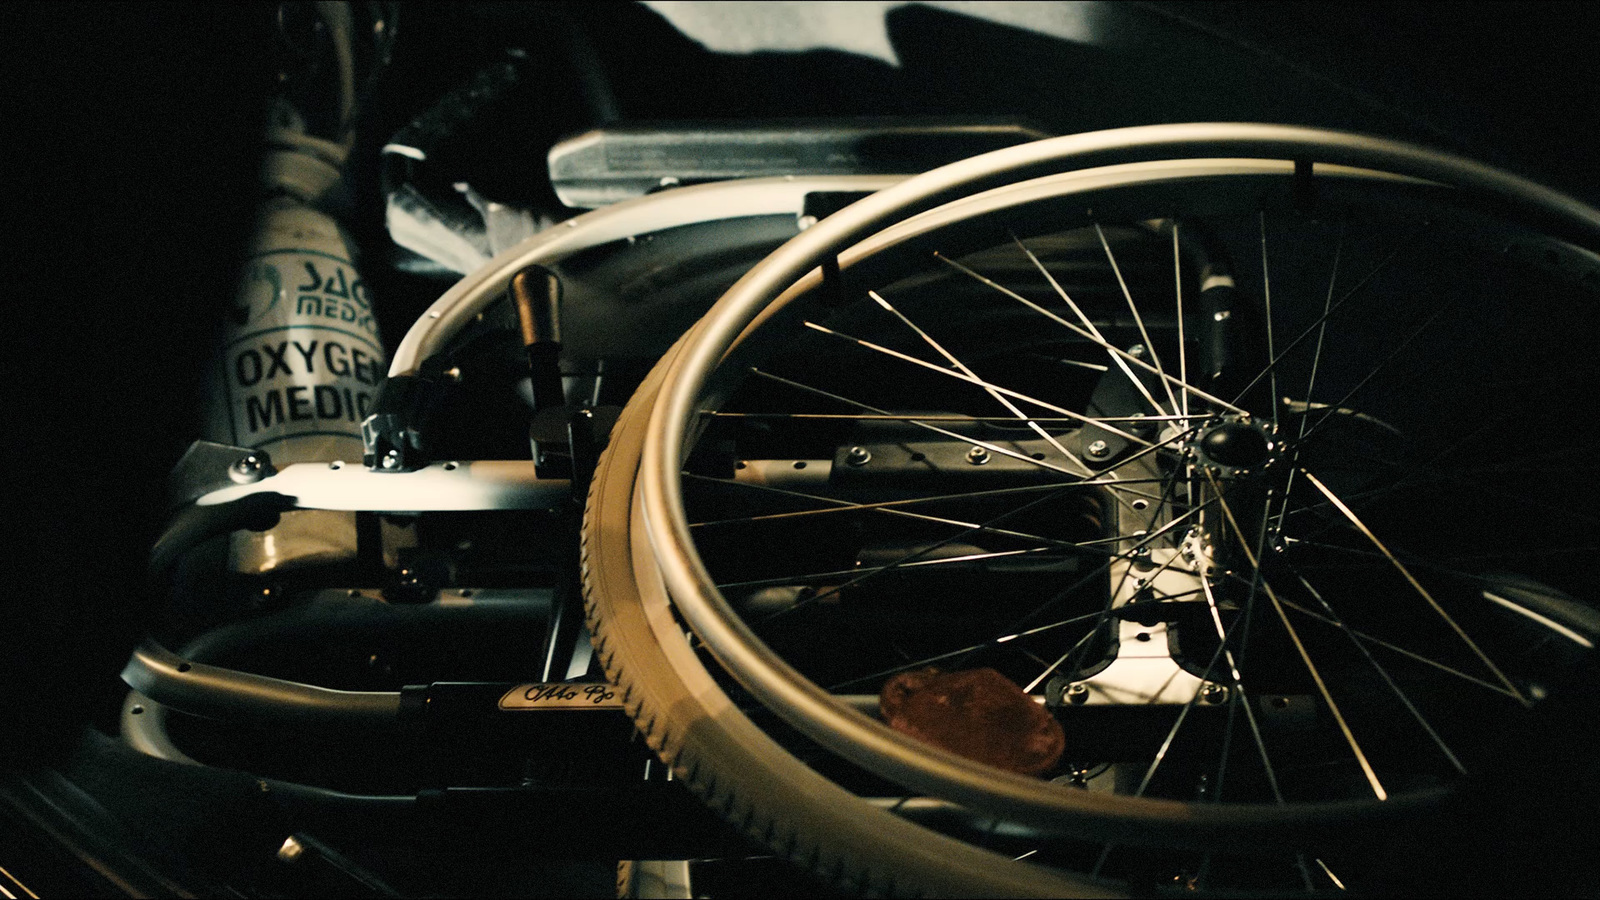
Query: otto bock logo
pixel 561 696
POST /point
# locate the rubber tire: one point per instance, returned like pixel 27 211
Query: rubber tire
pixel 723 757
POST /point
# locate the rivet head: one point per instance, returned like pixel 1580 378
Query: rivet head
pixel 248 469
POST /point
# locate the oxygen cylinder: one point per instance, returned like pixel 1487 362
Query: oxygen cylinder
pixel 301 358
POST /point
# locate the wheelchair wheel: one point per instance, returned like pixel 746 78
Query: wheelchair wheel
pixel 1182 507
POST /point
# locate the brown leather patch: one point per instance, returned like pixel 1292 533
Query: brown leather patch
pixel 977 713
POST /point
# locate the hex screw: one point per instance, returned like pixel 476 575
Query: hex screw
pixel 1078 694
pixel 1099 450
pixel 977 456
pixel 858 456
pixel 1213 693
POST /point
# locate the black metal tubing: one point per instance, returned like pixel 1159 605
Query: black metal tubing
pixel 203 690
pixel 330 617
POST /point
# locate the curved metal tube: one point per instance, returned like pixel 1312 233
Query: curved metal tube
pixel 217 693
pixel 654 212
pixel 334 614
pixel 144 728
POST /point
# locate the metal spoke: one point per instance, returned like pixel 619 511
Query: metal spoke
pixel 1172 733
pixel 1137 319
pixel 1415 584
pixel 999 398
pixel 847 506
pixel 1089 324
pixel 1311 382
pixel 1384 674
pixel 972 379
pixel 1127 555
pixel 1331 877
pixel 908 558
pixel 1240 700
pixel 992 642
pixel 1431 565
pixel 1065 656
pixel 1183 347
pixel 1333 408
pixel 1272 364
pixel 1149 448
pixel 992 448
pixel 910 417
pixel 1311 667
pixel 1106 612
pixel 1266 294
pixel 1114 350
pixel 1395 648
pixel 898 564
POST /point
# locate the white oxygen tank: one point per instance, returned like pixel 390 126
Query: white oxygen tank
pixel 301 358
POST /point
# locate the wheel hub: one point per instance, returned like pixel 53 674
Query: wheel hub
pixel 1236 447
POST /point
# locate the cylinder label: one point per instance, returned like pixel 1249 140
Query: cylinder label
pixel 302 355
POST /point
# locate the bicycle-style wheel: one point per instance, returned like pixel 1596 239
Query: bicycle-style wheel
pixel 1179 505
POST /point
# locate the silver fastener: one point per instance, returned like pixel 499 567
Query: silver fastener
pixel 1213 693
pixel 247 470
pixel 292 850
pixel 1099 450
pixel 858 456
pixel 977 456
pixel 1078 694
pixel 391 460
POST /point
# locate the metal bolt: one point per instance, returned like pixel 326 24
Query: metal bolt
pixel 977 456
pixel 1099 450
pixel 391 460
pixel 804 222
pixel 1136 351
pixel 1078 694
pixel 292 850
pixel 453 374
pixel 1142 561
pixel 247 470
pixel 858 456
pixel 1213 693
